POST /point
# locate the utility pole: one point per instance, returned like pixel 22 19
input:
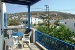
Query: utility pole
pixel 47 14
pixel 46 8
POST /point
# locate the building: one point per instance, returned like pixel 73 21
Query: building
pixel 69 24
pixel 33 20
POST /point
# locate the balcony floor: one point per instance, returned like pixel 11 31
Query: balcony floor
pixel 27 47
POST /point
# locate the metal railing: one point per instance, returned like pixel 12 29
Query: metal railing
pixel 52 43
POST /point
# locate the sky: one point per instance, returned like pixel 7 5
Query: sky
pixel 67 6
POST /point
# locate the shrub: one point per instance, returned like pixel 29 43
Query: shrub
pixel 61 33
pixel 13 22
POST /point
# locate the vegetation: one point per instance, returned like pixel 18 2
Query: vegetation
pixel 61 33
pixel 56 22
pixel 13 22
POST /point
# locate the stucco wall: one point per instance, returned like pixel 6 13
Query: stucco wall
pixel 69 24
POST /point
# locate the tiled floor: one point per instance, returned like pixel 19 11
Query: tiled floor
pixel 27 47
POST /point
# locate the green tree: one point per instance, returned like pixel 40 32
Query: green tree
pixel 61 33
pixel 13 22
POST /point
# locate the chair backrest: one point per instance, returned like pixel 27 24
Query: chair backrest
pixel 27 31
pixel 30 33
pixel 9 32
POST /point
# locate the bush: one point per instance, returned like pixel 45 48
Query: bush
pixel 61 33
pixel 56 22
pixel 40 24
pixel 13 22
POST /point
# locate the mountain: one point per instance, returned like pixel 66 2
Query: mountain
pixel 52 15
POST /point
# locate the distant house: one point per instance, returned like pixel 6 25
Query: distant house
pixel 69 24
pixel 14 17
pixel 33 20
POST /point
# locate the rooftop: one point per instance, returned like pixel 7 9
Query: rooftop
pixel 22 2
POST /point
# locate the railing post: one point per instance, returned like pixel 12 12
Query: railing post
pixel 34 35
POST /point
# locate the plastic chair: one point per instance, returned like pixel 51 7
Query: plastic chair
pixel 9 32
pixel 8 42
pixel 26 38
pixel 17 35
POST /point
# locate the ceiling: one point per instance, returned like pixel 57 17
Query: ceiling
pixel 21 2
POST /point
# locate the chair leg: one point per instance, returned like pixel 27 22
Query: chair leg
pixel 29 43
pixel 11 47
pixel 22 44
pixel 5 47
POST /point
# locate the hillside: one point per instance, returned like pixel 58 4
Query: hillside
pixel 52 15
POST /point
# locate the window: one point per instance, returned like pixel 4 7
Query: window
pixel 74 24
pixel 65 22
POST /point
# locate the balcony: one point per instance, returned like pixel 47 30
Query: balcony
pixel 33 45
pixel 41 41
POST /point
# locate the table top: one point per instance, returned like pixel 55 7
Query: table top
pixel 17 34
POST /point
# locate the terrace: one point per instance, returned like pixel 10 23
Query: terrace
pixel 33 44
pixel 41 41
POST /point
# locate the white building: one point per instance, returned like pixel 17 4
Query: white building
pixel 33 20
pixel 69 24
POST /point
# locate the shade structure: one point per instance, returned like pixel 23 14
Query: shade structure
pixel 22 2
pixel 3 19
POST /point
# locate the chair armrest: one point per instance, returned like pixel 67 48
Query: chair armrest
pixel 26 34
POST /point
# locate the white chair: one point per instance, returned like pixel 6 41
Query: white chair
pixel 9 43
pixel 26 38
pixel 9 32
pixel 14 38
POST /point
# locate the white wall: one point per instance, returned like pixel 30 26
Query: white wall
pixel 69 24
pixel 1 25
pixel 35 20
